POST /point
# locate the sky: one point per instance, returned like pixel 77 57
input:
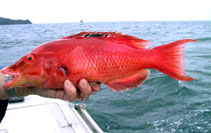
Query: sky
pixel 62 11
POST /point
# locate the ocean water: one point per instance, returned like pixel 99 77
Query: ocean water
pixel 161 104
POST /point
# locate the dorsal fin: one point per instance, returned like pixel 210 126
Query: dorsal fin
pixel 113 36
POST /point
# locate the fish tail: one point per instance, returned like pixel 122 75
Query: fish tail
pixel 170 59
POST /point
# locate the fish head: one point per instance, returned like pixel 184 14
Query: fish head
pixel 32 70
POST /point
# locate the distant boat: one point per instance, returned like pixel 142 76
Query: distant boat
pixel 81 21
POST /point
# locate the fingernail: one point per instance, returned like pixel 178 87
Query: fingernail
pixel 84 83
pixel 68 83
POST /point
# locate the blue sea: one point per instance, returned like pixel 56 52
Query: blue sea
pixel 161 104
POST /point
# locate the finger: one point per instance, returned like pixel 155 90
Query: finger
pixel 60 94
pixel 70 90
pixel 85 90
pixel 20 92
pixel 50 93
pixel 95 86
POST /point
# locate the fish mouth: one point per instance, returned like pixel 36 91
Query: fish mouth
pixel 9 83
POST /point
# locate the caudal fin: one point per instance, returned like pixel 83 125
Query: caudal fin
pixel 170 59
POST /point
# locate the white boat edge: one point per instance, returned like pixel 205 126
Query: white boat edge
pixel 44 115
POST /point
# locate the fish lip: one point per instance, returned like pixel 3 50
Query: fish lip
pixel 14 75
pixel 8 72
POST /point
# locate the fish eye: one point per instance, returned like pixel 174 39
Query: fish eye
pixel 30 58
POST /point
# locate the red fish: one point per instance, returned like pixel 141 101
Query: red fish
pixel 117 60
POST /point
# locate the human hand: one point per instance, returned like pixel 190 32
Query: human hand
pixel 69 93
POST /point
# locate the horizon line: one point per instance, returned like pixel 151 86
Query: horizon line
pixel 119 21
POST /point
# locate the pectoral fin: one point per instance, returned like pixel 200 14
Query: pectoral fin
pixel 129 82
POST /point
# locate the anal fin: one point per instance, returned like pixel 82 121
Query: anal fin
pixel 129 82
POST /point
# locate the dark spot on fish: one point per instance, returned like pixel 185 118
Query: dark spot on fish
pixel 87 35
pixel 94 35
pixel 64 70
pixel 106 35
